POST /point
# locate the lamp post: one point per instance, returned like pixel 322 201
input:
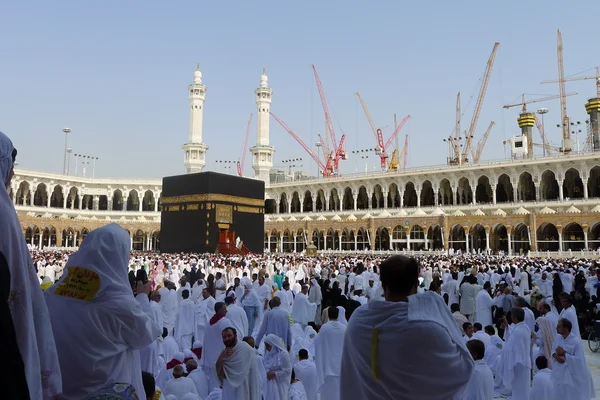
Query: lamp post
pixel 541 112
pixel 576 131
pixel 69 151
pixel 291 163
pixel 362 152
pixel 318 145
pixel 366 160
pixel 66 132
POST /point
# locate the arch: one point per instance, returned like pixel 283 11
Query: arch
pixel 49 237
pixel 445 194
pixel 549 186
pixel 573 237
pixel 307 202
pixel 572 185
pixel 499 240
pixel 526 187
pixel 478 241
pixel 295 206
pixel 483 191
pixel 40 197
pixel 334 200
pixel 148 202
pixel 348 200
pixel 399 238
pixel 410 198
pixel 155 240
pixel 594 236
pixel 57 197
pixel 382 239
pixel 139 240
pixel 434 238
pixel 377 199
pixel 427 194
pixel 464 193
pixel 332 240
pixel 32 236
pixel 69 238
pixel 362 240
pixel 272 241
pixel 117 200
pixel 457 239
pixel 300 243
pixel 133 201
pixel 23 194
pixel 287 241
pixel 348 240
pixel 504 190
pixel 393 196
pixel 320 201
pixel 520 239
pixel 593 182
pixel 547 237
pixel 283 203
pixel 417 238
pixel 73 199
pixel 318 239
pixel 270 206
pixel 362 201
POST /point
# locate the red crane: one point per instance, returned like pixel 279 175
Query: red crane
pixel 338 153
pixel 240 164
pixel 326 168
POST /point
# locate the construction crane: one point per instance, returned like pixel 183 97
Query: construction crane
pixel 338 153
pixel 566 125
pixel 240 163
pixel 398 158
pixel 524 103
pixel 482 91
pixel 481 144
pixel 381 145
pixel 581 78
pixel 327 169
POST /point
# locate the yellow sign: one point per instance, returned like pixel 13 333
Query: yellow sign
pixel 80 284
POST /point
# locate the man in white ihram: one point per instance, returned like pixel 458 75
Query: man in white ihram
pixel 237 369
pixel 303 311
pixel 515 364
pixel 329 345
pixel 237 316
pixel 570 374
pixel 380 330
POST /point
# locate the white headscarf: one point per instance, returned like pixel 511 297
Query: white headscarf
pixel 342 316
pixel 28 309
pixel 271 358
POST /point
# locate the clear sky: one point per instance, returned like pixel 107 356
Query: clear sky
pixel 116 73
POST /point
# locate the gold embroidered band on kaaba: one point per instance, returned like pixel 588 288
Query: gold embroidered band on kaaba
pixel 196 198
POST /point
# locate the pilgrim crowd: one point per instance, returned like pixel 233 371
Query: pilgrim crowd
pixel 103 323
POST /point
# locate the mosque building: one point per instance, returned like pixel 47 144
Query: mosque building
pixel 544 204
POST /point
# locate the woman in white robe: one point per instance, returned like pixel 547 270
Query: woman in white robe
pixel 279 369
pixel 97 322
pixel 29 323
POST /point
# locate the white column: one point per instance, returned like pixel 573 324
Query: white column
pixel 510 250
pixel 467 241
pixel 560 190
pixel 585 239
pixel 585 188
pixel 41 241
pixel 426 241
pixel 560 242
pixel 487 241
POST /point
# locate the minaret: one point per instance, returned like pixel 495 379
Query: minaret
pixel 262 153
pixel 194 150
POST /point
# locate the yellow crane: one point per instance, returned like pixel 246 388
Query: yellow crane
pixel 481 144
pixel 480 98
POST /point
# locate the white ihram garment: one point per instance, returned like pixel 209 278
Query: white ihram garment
pixel 329 345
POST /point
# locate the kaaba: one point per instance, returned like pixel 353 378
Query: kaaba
pixel 203 210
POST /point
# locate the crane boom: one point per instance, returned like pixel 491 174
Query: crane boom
pixel 523 102
pixel 540 128
pixel 325 107
pixel 405 152
pixel 326 172
pixel 458 117
pixel 367 114
pixel 396 131
pixel 482 92
pixel 566 133
pixel 240 164
pixel 582 78
pixel 481 143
